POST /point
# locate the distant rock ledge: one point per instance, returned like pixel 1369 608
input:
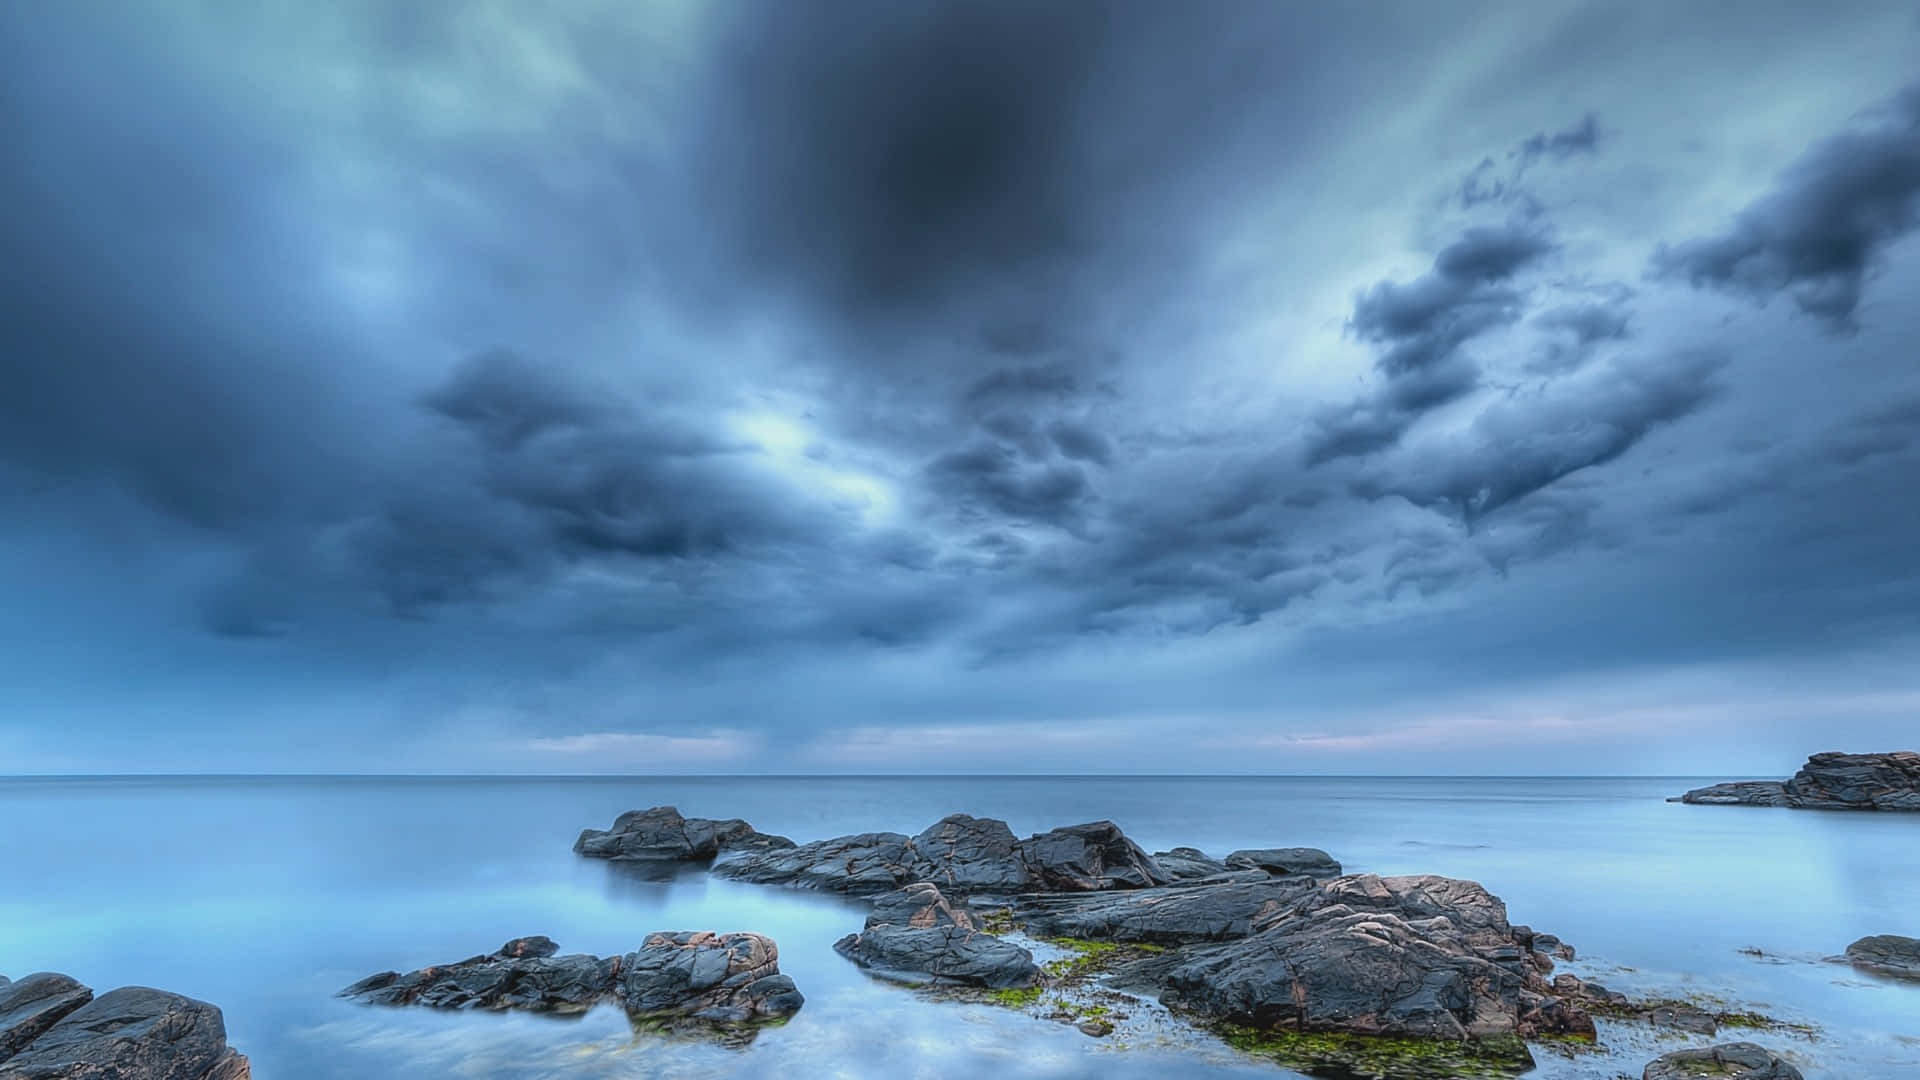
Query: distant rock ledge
pixel 1829 781
pixel 53 1028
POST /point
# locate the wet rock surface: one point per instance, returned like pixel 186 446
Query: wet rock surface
pixel 1887 954
pixel 662 834
pixel 133 1033
pixel 1732 1061
pixel 701 977
pixel 1828 781
pixel 1309 862
pixel 916 934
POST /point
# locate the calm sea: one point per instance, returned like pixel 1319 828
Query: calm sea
pixel 266 895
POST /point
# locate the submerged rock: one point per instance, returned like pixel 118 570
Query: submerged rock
pixel 1310 862
pixel 1732 1061
pixel 917 935
pixel 1886 954
pixel 34 1004
pixel 662 834
pixel 1829 781
pixel 133 1033
pixel 703 976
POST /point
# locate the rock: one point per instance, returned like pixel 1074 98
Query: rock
pixel 969 855
pixel 1422 957
pixel 34 1004
pixel 133 1033
pixel 865 864
pixel 662 834
pixel 917 935
pixel 1886 954
pixel 964 854
pixel 1311 862
pixel 1732 1061
pixel 1188 864
pixel 721 978
pixel 1830 781
pixel 1179 915
pixel 1095 1027
pixel 1089 857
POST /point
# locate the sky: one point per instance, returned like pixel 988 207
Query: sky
pixel 900 387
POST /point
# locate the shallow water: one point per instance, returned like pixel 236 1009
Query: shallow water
pixel 266 895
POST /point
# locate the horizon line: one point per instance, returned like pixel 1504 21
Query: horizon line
pixel 845 776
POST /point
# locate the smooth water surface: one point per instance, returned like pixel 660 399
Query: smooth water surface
pixel 266 895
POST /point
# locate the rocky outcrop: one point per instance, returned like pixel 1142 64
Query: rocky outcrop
pixel 1829 781
pixel 721 979
pixel 1423 957
pixel 1732 1061
pixel 962 854
pixel 1089 857
pixel 918 935
pixel 133 1033
pixel 1886 954
pixel 34 1004
pixel 661 834
pixel 1306 861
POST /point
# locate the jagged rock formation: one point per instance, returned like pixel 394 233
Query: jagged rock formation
pixel 1829 781
pixel 53 1028
pixel 661 834
pixel 917 935
pixel 690 978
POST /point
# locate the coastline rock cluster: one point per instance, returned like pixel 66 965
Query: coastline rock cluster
pixel 53 1028
pixel 1731 1061
pixel 1828 781
pixel 1270 940
pixel 672 980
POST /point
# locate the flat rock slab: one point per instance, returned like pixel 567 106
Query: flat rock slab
pixel 1178 915
pixel 1732 1061
pixel 1887 954
pixel 133 1033
pixel 1305 861
pixel 1828 781
pixel 718 979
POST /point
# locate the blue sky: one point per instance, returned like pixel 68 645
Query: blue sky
pixel 900 387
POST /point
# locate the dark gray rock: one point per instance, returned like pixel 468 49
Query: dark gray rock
pixel 866 864
pixel 133 1033
pixel 969 855
pixel 1732 1061
pixel 1886 954
pixel 662 834
pixel 1423 957
pixel 1178 915
pixel 1310 862
pixel 1188 864
pixel 1088 858
pixel 721 978
pixel 34 1004
pixel 917 935
pixel 1829 781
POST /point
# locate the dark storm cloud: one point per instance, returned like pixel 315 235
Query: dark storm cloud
pixel 1576 328
pixel 1521 444
pixel 1824 229
pixel 993 480
pixel 1422 326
